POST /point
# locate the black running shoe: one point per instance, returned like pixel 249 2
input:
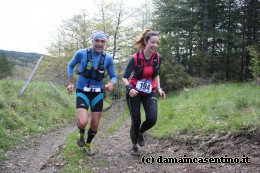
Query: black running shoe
pixel 140 140
pixel 135 151
pixel 81 141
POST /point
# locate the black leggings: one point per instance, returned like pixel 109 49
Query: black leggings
pixel 149 103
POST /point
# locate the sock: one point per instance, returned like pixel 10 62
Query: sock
pixel 81 132
pixel 91 135
pixel 140 130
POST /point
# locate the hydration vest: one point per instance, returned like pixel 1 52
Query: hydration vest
pixel 145 70
pixel 92 72
pixel 139 65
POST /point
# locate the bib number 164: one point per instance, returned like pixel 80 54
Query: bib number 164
pixel 144 86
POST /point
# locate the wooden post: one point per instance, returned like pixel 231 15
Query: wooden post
pixel 30 77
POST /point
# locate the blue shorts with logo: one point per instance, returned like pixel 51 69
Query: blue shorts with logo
pixel 92 99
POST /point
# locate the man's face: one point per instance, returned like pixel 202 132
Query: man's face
pixel 99 44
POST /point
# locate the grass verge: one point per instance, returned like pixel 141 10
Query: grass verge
pixel 115 126
pixel 39 110
pixel 224 108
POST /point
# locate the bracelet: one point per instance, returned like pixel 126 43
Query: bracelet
pixel 128 88
pixel 159 89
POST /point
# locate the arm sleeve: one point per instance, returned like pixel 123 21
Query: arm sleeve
pixel 129 68
pixel 111 71
pixel 73 62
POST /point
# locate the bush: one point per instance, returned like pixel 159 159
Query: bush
pixel 255 63
pixel 174 77
pixel 5 66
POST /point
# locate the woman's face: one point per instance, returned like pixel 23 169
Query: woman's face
pixel 152 44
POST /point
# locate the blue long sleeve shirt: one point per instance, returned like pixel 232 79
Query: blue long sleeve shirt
pixel 80 58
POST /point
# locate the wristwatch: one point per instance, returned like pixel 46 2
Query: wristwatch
pixel 128 88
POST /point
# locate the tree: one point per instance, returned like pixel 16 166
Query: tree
pixel 212 35
pixel 114 19
pixel 5 66
pixel 255 63
pixel 73 34
pixel 250 21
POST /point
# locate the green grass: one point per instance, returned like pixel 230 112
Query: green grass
pixel 75 159
pixel 115 126
pixel 39 110
pixel 224 108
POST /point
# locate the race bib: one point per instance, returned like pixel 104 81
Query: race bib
pixel 87 89
pixel 144 85
pixel 92 89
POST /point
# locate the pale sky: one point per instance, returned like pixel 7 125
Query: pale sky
pixel 26 25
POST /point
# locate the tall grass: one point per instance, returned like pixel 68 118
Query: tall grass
pixel 39 110
pixel 220 108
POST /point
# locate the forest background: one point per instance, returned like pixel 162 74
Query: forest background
pixel 202 42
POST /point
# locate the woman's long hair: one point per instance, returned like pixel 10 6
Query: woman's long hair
pixel 144 37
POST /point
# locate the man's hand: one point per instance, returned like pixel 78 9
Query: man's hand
pixel 70 88
pixel 110 86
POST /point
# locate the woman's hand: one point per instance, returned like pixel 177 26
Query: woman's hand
pixel 133 93
pixel 161 92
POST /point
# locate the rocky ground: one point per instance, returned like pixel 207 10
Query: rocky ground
pixel 112 150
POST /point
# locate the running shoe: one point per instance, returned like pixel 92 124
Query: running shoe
pixel 88 150
pixel 140 140
pixel 135 151
pixel 81 140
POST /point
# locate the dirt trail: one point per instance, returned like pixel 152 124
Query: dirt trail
pixel 113 152
pixel 34 156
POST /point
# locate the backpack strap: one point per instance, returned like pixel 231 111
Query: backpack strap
pixel 138 62
pixel 102 59
pixel 156 60
pixel 89 55
pixel 156 65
